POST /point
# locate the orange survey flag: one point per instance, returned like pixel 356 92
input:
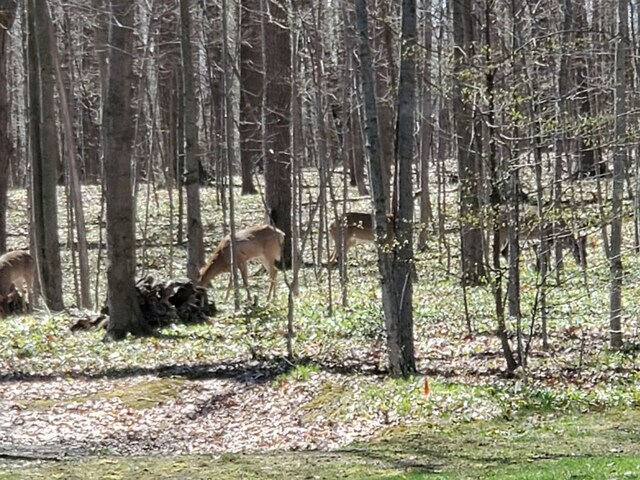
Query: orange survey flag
pixel 426 386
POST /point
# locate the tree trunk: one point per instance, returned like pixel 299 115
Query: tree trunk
pixel 7 15
pixel 471 251
pixel 403 194
pixel 125 315
pixel 45 156
pixel 358 164
pixel 277 114
pixel 385 70
pixel 619 161
pixel 251 83
pixel 497 173
pixel 73 170
pixel 426 139
pixel 396 303
pixel 195 245
pixel 587 163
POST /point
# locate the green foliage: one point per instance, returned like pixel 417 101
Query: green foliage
pixel 299 373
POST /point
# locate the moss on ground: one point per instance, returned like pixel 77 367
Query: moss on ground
pixel 138 396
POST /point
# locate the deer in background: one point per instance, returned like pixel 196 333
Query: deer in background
pixel 263 242
pixel 353 227
pixel 17 273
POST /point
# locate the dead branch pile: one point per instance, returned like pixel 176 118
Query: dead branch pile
pixel 162 303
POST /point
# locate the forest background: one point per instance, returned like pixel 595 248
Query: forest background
pixel 137 134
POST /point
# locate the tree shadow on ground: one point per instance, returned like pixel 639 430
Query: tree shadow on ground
pixel 255 371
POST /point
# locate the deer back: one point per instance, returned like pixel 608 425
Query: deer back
pixel 262 241
pixel 356 225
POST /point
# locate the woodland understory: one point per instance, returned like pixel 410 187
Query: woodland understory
pixel 227 385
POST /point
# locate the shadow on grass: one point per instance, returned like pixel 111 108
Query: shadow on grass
pixel 250 372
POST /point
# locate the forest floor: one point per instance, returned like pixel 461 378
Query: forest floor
pixel 221 400
pixel 73 407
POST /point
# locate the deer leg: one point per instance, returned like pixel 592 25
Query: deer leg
pixel 273 274
pixel 582 249
pixel 22 292
pixel 334 254
pixel 245 280
pixel 337 244
pixel 226 295
pixel 347 246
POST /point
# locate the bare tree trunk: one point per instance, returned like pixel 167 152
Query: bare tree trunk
pixel 73 169
pixel 7 15
pixel 276 123
pixel 45 157
pixel 324 172
pixel 587 164
pixel 426 139
pixel 619 161
pixel 496 172
pixel 396 303
pixel 195 245
pixel 352 126
pixel 125 315
pixel 229 148
pixel 251 84
pixel 403 267
pixel 385 71
pixel 471 251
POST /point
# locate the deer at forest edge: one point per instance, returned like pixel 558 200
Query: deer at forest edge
pixel 17 270
pixel 263 242
pixel 354 227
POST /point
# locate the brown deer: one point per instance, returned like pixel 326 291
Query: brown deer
pixel 17 271
pixel 261 241
pixel 354 227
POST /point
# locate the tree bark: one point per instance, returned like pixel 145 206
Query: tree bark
pixel 426 139
pixel 471 251
pixel 125 315
pixel 45 156
pixel 619 161
pixel 195 245
pixel 7 15
pixel 75 187
pixel 396 303
pixel 385 71
pixel 403 267
pixel 251 84
pixel 276 123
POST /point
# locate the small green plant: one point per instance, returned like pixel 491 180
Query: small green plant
pixel 299 373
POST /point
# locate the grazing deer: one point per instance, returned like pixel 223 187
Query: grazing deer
pixel 354 227
pixel 261 241
pixel 17 271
